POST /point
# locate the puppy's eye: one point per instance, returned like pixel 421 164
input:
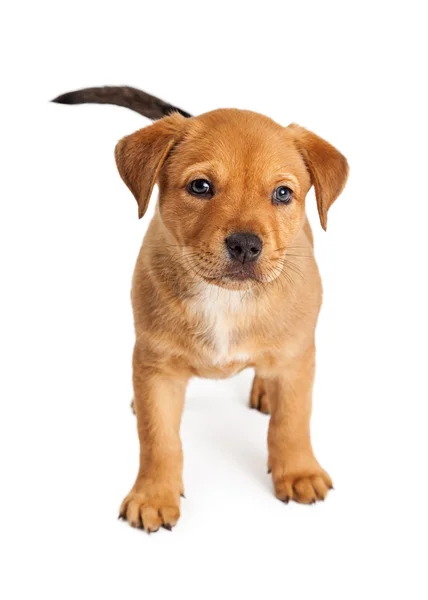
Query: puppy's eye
pixel 282 195
pixel 201 188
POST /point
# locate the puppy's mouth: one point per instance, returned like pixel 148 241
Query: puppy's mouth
pixel 242 274
pixel 215 270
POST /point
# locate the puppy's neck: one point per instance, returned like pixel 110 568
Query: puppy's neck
pixel 221 313
pixel 212 298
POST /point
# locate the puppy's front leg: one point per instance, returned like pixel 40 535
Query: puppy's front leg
pixel 158 401
pixel 295 471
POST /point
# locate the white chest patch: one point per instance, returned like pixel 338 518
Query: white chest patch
pixel 219 308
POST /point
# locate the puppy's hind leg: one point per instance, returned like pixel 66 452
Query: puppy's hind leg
pixel 259 399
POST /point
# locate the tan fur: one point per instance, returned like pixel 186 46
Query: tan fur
pixel 192 320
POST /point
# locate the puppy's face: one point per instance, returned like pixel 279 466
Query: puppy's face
pixel 232 189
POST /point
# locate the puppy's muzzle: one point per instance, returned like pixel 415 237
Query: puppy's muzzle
pixel 244 247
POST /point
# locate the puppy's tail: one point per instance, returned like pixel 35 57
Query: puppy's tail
pixel 137 100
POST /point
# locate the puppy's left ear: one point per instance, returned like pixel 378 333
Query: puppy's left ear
pixel 141 155
pixel 328 168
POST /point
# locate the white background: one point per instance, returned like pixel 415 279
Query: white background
pixel 354 73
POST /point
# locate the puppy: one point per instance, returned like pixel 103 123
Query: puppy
pixel 226 279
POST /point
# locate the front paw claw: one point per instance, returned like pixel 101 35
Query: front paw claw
pixel 151 509
pixel 306 488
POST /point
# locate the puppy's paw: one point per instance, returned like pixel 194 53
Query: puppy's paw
pixel 150 506
pixel 306 487
pixel 259 398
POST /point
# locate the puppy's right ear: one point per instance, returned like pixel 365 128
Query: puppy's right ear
pixel 140 156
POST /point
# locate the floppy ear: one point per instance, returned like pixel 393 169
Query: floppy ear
pixel 140 156
pixel 328 168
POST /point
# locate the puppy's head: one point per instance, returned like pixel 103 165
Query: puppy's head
pixel 232 189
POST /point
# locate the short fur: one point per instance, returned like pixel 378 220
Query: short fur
pixel 194 318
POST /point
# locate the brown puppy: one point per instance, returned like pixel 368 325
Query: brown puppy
pixel 225 280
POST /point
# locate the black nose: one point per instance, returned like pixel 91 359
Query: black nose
pixel 244 247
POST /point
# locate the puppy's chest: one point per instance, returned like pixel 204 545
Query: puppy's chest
pixel 223 326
